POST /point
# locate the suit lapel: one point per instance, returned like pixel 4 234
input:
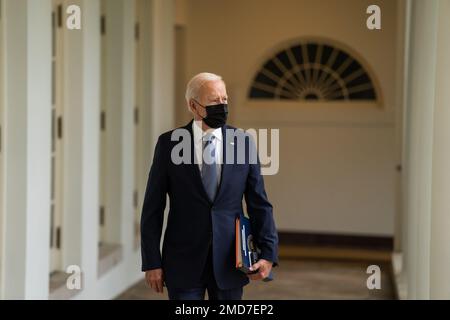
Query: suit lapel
pixel 225 167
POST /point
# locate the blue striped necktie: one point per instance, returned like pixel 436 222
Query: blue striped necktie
pixel 209 169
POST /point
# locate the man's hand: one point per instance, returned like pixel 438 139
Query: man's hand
pixel 263 266
pixel 155 279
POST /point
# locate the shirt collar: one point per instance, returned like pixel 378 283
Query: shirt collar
pixel 199 133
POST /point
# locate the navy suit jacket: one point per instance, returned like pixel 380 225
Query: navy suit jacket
pixel 195 223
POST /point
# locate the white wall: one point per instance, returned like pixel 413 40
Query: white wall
pixel 337 162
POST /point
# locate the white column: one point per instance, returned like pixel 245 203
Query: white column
pixel 421 101
pixel 399 130
pixel 157 109
pixel 440 219
pixel 2 169
pixel 406 130
pixel 128 13
pixel 119 119
pixel 81 139
pixel 144 100
pixel 120 83
pixel 157 80
pixel 156 33
pixel 27 149
pixel 120 19
pixel 163 62
pixel 162 107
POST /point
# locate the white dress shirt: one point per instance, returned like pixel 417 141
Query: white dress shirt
pixel 198 146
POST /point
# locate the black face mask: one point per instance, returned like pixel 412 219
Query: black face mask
pixel 216 115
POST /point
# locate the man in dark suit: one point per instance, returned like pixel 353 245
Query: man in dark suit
pixel 206 191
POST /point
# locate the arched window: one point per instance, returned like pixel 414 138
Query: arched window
pixel 313 71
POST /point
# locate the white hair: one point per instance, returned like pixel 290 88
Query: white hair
pixel 194 85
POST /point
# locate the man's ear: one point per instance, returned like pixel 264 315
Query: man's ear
pixel 192 106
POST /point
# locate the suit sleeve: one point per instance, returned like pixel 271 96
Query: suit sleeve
pixel 153 209
pixel 260 210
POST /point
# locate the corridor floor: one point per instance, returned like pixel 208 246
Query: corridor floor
pixel 305 279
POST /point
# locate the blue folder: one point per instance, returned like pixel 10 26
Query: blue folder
pixel 246 249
